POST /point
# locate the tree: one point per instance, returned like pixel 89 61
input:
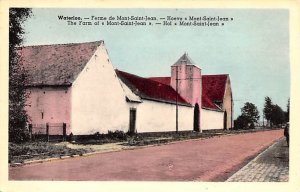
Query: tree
pixel 249 116
pixel 268 106
pixel 287 116
pixel 17 76
pixel 277 116
pixel 241 122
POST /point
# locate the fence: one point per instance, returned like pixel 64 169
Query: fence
pixel 48 131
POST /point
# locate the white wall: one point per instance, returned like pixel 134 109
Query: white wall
pixel 210 119
pixel 98 100
pixel 158 117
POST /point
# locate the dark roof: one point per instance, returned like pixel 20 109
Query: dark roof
pixel 213 88
pixel 149 89
pixel 163 80
pixel 207 102
pixel 184 59
pixel 56 65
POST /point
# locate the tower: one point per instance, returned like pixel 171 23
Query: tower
pixel 189 79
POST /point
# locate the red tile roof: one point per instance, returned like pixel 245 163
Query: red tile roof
pixel 163 80
pixel 213 88
pixel 54 65
pixel 149 89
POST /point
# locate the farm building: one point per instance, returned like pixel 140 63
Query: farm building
pixel 77 85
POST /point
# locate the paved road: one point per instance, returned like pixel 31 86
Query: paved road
pixel 211 159
pixel 271 165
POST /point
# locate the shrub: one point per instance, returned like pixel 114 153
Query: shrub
pixel 119 135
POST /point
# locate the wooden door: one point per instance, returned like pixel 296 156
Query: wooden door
pixel 132 120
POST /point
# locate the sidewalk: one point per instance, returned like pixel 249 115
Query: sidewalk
pixel 272 165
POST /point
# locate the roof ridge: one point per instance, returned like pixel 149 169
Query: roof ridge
pixel 148 79
pixel 159 77
pixel 216 74
pixel 99 41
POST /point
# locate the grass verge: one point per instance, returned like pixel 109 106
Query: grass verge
pixel 40 150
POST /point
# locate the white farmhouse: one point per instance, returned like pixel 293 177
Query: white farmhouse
pixel 76 84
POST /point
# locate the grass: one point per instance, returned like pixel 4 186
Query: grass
pixel 18 153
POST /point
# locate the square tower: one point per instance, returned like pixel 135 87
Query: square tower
pixel 188 77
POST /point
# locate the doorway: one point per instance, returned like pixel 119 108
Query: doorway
pixel 225 120
pixel 132 120
pixel 196 118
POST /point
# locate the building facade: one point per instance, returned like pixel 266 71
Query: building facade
pixel 76 84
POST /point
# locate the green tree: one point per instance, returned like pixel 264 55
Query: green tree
pixel 249 116
pixel 17 76
pixel 278 115
pixel 268 106
pixel 241 122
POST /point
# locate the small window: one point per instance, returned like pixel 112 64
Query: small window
pixel 42 115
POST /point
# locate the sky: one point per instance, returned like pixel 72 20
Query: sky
pixel 253 48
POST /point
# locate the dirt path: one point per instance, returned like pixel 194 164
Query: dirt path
pixel 203 160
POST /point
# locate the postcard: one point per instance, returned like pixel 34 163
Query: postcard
pixel 184 97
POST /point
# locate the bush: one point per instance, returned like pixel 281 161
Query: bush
pixel 119 135
pixel 241 122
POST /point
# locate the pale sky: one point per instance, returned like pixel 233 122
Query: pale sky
pixel 253 48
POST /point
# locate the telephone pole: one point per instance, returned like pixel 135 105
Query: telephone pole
pixel 176 98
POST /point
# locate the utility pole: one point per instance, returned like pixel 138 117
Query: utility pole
pixel 176 98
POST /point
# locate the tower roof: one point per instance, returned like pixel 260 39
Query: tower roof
pixel 184 60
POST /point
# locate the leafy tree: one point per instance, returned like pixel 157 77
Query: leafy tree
pixel 241 122
pixel 268 106
pixel 278 115
pixel 17 76
pixel 250 112
pixel 249 116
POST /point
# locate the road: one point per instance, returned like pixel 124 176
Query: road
pixel 213 159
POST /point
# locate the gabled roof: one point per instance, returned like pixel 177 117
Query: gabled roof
pixel 184 59
pixel 56 65
pixel 213 88
pixel 151 90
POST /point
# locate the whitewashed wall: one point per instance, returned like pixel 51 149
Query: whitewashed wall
pixel 210 119
pixel 158 117
pixel 98 100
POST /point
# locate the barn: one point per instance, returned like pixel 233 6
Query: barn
pixel 76 85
